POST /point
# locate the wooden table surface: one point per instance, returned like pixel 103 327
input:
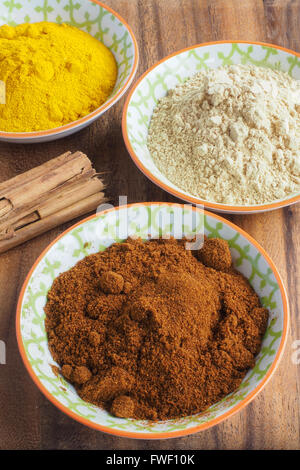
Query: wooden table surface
pixel 27 419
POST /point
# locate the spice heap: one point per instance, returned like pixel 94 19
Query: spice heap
pixel 230 135
pixel 152 330
pixel 54 74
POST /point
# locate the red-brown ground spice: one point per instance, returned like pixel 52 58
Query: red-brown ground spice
pixel 152 330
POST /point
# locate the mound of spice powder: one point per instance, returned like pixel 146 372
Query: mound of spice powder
pixel 150 330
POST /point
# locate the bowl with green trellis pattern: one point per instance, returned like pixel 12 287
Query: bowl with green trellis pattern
pixel 147 220
pixel 92 17
pixel 175 69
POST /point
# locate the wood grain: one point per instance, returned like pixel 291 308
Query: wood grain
pixel 271 421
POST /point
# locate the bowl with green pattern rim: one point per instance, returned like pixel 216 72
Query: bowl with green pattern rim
pixel 94 18
pixel 175 69
pixel 146 220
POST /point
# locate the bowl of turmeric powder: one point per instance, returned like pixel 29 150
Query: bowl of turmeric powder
pixel 61 67
pixel 152 320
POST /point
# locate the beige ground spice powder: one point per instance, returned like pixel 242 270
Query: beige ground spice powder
pixel 230 135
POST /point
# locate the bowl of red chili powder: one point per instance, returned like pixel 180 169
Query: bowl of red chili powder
pixel 152 320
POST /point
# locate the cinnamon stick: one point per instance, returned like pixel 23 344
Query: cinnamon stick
pixel 46 196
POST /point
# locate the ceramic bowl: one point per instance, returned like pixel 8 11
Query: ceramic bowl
pixel 173 70
pixel 100 231
pixel 90 16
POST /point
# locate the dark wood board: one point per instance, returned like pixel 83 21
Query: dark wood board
pixel 27 419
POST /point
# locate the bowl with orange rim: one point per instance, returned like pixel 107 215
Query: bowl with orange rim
pixel 175 69
pixel 147 220
pixel 94 18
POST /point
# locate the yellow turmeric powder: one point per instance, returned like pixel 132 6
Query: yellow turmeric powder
pixel 54 74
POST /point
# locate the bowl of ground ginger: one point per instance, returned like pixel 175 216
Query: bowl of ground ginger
pixel 152 320
pixel 218 124
pixel 61 67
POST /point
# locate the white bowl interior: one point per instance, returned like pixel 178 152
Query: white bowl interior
pixel 179 68
pixel 98 233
